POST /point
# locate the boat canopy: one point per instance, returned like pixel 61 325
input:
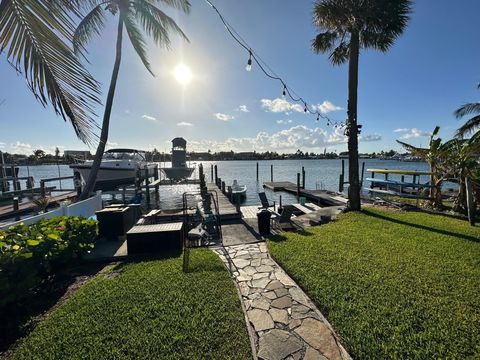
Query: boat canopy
pixel 125 154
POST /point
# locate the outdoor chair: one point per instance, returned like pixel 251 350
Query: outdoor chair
pixel 264 201
pixel 283 221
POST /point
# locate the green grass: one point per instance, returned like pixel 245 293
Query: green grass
pixel 151 310
pixel 395 285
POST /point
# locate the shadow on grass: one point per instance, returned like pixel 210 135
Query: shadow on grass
pixel 17 319
pixel 280 237
pixel 422 227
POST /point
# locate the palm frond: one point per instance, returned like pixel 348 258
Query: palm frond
pixel 466 109
pixel 34 33
pixel 90 25
pixel 183 5
pixel 137 40
pixel 324 42
pixel 341 54
pixel 470 126
pixel 156 23
pixel 415 151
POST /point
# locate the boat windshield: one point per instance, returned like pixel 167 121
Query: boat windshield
pixel 135 156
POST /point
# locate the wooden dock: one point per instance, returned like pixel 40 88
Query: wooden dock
pixel 322 197
pixel 7 211
pixel 226 209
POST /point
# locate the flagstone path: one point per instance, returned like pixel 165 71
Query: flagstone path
pixel 285 323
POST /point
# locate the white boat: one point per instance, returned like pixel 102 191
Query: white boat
pixel 239 189
pixel 119 167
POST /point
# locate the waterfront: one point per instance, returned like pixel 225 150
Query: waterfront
pixel 320 174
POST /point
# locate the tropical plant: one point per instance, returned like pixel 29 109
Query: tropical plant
pixel 472 124
pixel 134 15
pixel 434 155
pixel 36 36
pixel 345 27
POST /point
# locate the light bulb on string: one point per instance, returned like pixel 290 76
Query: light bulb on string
pixel 318 117
pixel 305 109
pixel 284 94
pixel 249 62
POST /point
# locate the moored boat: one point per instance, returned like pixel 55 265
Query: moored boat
pixel 239 189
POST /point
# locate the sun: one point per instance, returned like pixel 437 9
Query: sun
pixel 182 74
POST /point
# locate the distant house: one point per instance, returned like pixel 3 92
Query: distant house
pixel 77 154
pixel 245 155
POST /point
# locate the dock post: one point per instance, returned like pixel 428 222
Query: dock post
pixel 211 173
pixel 147 186
pixel 470 201
pixel 16 183
pixel 271 173
pixel 77 182
pixel 229 193
pixel 42 188
pixel 157 185
pixel 16 207
pixel 303 178
pixel 216 174
pixel 219 183
pixel 223 187
pixel 280 204
pixel 401 186
pixel 29 183
pixel 343 168
pixel 363 174
pixel 298 186
pixel 340 183
pixel 257 171
pixel 237 203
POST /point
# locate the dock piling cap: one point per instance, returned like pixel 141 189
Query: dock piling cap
pixel 179 142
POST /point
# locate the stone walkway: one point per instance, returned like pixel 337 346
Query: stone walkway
pixel 283 321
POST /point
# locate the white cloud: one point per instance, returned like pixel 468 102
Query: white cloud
pixel 127 111
pixel 288 140
pixel 148 117
pixel 223 117
pixel 414 133
pixel 21 148
pixel 183 123
pixel 111 144
pixel 280 105
pixel 2 145
pixel 326 107
pixel 401 130
pixel 243 108
pixel 289 121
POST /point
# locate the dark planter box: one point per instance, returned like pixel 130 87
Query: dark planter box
pixel 142 239
pixel 115 221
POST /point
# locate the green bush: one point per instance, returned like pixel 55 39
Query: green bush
pixel 29 254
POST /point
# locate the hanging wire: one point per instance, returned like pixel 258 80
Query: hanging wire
pixel 268 71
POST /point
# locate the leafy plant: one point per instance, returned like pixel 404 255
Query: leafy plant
pixel 29 254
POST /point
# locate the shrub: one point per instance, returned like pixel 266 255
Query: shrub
pixel 29 254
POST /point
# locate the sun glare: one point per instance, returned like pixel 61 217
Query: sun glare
pixel 183 74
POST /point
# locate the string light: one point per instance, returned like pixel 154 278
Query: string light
pixel 249 62
pixel 263 66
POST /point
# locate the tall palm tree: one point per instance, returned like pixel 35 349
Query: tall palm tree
pixel 134 15
pixel 36 36
pixel 346 26
pixel 472 124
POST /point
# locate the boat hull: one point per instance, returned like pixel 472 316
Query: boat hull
pixel 178 173
pixel 109 178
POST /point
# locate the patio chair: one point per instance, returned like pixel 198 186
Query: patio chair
pixel 283 221
pixel 264 201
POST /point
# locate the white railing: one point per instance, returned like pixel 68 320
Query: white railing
pixel 85 208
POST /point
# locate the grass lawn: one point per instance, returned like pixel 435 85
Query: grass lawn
pixel 393 284
pixel 147 310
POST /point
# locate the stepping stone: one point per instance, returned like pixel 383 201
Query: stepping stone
pixel 244 288
pixel 261 303
pixel 260 283
pixel 260 319
pixel 260 275
pixel 283 302
pixel 250 270
pixel 299 296
pixel 242 252
pixel 244 278
pixel 294 323
pixel 300 309
pixel 270 295
pixel 319 336
pixel 241 263
pixel 264 268
pixel 275 284
pixel 278 344
pixel 256 262
pixel 281 292
pixel 285 279
pixel 312 354
pixel 279 315
pixel 263 248
pixel 267 261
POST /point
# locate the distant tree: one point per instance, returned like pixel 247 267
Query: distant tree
pixel 472 124
pixel 39 154
pixel 135 16
pixel 345 27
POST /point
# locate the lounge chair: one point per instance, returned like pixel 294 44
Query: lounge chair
pixel 264 201
pixel 283 221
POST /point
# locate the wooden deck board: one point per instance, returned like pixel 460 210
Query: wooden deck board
pixel 226 208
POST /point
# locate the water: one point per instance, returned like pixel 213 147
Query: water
pixel 320 174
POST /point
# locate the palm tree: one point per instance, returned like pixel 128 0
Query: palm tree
pixel 345 27
pixel 472 124
pixel 36 37
pixel 134 15
pixel 434 155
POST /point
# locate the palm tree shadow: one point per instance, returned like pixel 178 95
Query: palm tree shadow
pixel 422 227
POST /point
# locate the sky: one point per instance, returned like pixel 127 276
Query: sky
pixel 430 71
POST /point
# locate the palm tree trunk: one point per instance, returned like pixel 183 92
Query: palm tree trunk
pixel 92 177
pixel 354 182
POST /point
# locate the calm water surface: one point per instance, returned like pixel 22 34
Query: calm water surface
pixel 320 174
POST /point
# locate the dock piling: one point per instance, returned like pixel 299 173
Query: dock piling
pixel 257 171
pixel 223 187
pixel 303 178
pixel 211 172
pixel 216 174
pixel 298 186
pixel 147 186
pixel 229 193
pixel 16 207
pixel 362 174
pixel 271 173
